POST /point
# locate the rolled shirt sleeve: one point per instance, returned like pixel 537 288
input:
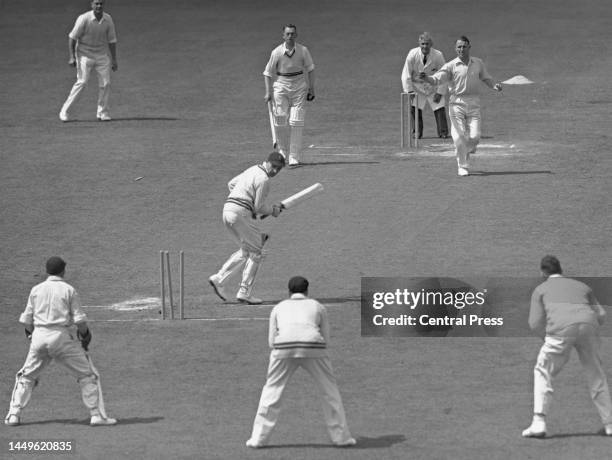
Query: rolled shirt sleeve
pixel 78 315
pixel 308 62
pixel 111 34
pixel 270 70
pixel 272 328
pixel 27 317
pixel 324 326
pixel 78 28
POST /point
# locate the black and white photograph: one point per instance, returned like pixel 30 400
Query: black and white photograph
pixel 357 229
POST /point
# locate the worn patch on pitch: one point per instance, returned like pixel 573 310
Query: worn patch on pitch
pixel 448 150
pixel 147 303
pixel 517 80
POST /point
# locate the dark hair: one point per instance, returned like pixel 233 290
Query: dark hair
pixel 289 26
pixel 277 158
pixel 55 265
pixel 550 265
pixel 298 284
pixel 463 38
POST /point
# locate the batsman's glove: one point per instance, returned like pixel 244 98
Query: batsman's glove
pixel 310 97
pixel 277 209
pixel 85 339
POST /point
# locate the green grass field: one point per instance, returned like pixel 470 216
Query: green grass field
pixel 188 112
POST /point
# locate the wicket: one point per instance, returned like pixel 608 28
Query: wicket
pixel 406 131
pixel 166 273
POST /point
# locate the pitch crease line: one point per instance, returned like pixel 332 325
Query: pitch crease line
pixel 144 320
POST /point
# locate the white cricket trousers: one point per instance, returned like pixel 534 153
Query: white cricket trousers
pixel 54 344
pixel 279 373
pixel 243 228
pixel 84 66
pixel 555 353
pixel 465 129
pixel 289 105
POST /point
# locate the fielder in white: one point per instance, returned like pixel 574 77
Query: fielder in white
pixel 463 74
pixel 290 81
pixel 52 308
pixel 426 59
pixel 571 315
pixel 245 202
pixel 298 336
pixel 91 40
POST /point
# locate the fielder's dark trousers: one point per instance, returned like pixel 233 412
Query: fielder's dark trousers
pixel 441 123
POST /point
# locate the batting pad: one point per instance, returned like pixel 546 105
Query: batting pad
pixel 280 120
pixel 297 116
pixel 295 143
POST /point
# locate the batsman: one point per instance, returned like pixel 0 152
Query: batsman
pixel 290 82
pixel 247 201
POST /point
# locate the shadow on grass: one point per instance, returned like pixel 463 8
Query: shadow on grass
pixel 507 173
pixel 122 119
pixel 138 420
pixel 121 421
pixel 146 119
pixel 326 163
pixel 272 302
pixel 339 299
pixel 575 435
pixel 388 440
pixel 363 442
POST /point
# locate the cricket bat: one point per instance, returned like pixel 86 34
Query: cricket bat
pixel 300 196
pixel 271 115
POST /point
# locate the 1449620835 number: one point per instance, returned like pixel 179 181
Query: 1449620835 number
pixel 45 445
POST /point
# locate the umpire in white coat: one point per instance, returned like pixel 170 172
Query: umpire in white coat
pixel 53 307
pixel 425 58
pixel 571 315
pixel 298 335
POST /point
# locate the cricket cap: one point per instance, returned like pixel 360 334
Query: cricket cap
pixel 298 284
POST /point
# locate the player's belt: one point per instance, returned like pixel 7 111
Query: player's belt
pixel 289 74
pixel 244 203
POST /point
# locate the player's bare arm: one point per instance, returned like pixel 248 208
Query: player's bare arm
pixel 311 86
pixel 113 52
pixel 268 94
pixel 71 52
pixel 494 86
